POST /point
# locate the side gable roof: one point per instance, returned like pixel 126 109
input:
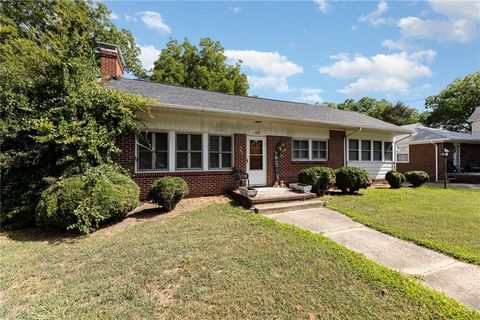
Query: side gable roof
pixel 421 133
pixel 214 101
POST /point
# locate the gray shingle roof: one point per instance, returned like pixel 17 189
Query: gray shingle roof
pixel 475 115
pixel 196 98
pixel 421 133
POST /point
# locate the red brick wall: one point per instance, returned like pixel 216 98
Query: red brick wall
pixel 110 64
pixel 218 182
pixel 422 157
pixel 289 169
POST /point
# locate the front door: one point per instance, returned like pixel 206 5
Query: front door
pixel 256 161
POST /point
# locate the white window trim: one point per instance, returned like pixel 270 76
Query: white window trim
pixel 189 151
pixel 172 153
pixel 398 153
pixel 137 153
pixel 310 158
pixel 359 150
pixel 232 153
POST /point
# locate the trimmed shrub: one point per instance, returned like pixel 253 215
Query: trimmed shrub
pixel 320 178
pixel 352 179
pixel 168 191
pixel 85 202
pixel 417 178
pixel 395 179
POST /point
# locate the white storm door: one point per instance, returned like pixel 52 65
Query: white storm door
pixel 257 161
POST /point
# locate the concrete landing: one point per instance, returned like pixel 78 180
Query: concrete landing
pixel 458 280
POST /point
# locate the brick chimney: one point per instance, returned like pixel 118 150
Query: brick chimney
pixel 111 60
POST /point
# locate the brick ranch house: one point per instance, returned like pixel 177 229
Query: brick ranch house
pixel 207 137
pixel 421 151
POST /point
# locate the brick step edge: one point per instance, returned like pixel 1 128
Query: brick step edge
pixel 287 206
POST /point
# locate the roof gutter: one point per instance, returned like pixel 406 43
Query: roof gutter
pixel 239 113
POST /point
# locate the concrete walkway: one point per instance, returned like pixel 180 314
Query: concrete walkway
pixel 458 280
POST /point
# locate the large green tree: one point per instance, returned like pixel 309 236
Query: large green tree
pixel 451 108
pixel 202 67
pixel 398 113
pixel 56 118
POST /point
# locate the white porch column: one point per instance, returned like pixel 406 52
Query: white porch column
pixel 205 151
pixel 171 151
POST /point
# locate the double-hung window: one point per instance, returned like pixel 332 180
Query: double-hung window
pixel 402 153
pixel 220 152
pixel 152 151
pixel 188 151
pixel 387 151
pixel 319 150
pixel 377 150
pixel 300 150
pixel 366 150
pixel 353 149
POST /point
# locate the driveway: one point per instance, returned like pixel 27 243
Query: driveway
pixel 458 280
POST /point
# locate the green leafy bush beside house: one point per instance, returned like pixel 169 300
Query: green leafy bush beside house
pixel 320 178
pixel 352 179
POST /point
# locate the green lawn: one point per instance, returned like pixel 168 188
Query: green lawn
pixel 218 262
pixel 444 220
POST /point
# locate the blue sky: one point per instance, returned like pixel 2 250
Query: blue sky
pixel 320 50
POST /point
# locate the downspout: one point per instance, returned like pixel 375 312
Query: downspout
pixel 436 160
pixel 345 146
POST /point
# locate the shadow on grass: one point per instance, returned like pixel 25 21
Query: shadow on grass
pixel 339 193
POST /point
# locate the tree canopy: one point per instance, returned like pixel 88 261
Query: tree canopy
pixel 56 118
pixel 451 108
pixel 398 113
pixel 202 67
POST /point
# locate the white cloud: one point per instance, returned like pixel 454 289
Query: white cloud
pixel 354 28
pixel 310 94
pixel 130 18
pixel 270 69
pixel 322 5
pixel 443 30
pixel 375 18
pixel 235 9
pixel 153 20
pixel 148 56
pixel 394 45
pixel 380 73
pixel 114 16
pixel 462 9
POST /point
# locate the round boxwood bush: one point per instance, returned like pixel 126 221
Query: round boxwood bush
pixel 352 179
pixel 320 178
pixel 168 191
pixel 395 179
pixel 84 202
pixel 417 178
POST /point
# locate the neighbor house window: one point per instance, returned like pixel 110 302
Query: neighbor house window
pixel 387 151
pixel 377 150
pixel 319 150
pixel 366 150
pixel 152 151
pixel 300 150
pixel 189 151
pixel 402 153
pixel 220 152
pixel 353 149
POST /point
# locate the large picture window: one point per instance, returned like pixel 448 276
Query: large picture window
pixel 152 151
pixel 353 149
pixel 220 152
pixel 309 150
pixel 188 151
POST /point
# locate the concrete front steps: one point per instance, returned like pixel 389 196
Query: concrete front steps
pixel 276 207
